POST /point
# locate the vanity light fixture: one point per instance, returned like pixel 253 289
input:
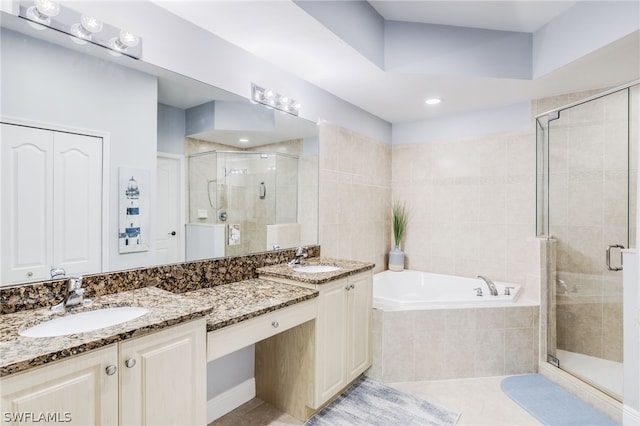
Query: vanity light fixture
pixel 432 101
pixel 274 100
pixel 80 27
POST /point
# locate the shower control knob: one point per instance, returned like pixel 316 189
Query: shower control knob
pixel 172 233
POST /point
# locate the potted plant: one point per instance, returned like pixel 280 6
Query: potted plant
pixel 400 218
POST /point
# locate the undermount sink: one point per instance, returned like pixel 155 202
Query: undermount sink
pixel 84 321
pixel 315 269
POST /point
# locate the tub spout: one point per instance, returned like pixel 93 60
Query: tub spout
pixel 490 284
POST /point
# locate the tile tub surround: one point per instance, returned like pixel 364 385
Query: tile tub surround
pixel 454 343
pixel 347 267
pixel 237 302
pixel 18 353
pixel 177 278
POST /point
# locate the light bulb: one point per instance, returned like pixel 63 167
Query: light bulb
pixel 86 28
pixel 91 24
pixel 128 39
pixel 124 41
pixel 43 11
pixel 47 7
pixel 432 101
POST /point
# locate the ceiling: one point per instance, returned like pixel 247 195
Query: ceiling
pixel 282 33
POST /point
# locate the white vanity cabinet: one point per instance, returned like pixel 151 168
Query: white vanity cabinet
pixel 340 343
pixel 343 334
pixel 156 379
pixel 163 377
pixel 74 391
pixel 51 203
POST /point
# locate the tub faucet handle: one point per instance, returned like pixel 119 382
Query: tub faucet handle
pixel 507 291
pixel 478 291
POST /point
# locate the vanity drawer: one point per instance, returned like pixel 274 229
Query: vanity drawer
pixel 230 339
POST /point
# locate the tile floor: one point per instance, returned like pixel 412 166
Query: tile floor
pixel 480 402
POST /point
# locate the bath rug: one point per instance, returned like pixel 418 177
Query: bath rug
pixel 550 404
pixel 369 403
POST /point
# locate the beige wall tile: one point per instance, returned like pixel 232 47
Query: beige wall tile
pixel 520 355
pixel 489 357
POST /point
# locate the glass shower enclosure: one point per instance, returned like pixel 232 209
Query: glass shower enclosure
pixel 586 188
pixel 244 202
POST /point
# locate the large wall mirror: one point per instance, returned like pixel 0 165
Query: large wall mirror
pixel 110 163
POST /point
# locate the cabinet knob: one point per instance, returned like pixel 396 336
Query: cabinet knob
pixel 172 233
pixel 111 370
pixel 29 274
pixel 130 362
pixel 275 324
pixel 347 288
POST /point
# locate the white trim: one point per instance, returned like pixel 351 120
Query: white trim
pixel 630 416
pixel 182 218
pixel 231 399
pixel 106 170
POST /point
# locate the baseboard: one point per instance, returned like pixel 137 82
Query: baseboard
pixel 630 416
pixel 230 399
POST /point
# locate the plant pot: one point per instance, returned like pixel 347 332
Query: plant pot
pixel 396 259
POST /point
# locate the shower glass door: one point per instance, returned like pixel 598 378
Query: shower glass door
pixel 584 185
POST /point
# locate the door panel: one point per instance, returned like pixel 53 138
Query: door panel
pixel 169 229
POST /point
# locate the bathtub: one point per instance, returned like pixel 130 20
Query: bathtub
pixel 433 327
pixel 423 290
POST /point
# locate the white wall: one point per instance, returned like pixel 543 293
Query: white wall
pixel 171 129
pixel 48 84
pixel 582 29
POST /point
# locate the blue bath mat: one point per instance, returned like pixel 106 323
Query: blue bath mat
pixel 550 404
pixel 369 403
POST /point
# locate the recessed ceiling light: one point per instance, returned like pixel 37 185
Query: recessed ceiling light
pixel 243 140
pixel 432 101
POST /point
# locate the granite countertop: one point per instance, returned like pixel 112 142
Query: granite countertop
pixel 223 305
pixel 18 353
pixel 347 267
pixel 237 302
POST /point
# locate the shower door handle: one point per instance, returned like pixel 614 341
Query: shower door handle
pixel 614 246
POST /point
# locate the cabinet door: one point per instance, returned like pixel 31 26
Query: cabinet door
pixel 163 377
pixel 331 368
pixel 26 205
pixel 77 391
pixel 359 324
pixel 77 204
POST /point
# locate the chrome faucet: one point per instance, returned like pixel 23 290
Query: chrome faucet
pixel 57 273
pixel 74 295
pixel 300 254
pixel 490 284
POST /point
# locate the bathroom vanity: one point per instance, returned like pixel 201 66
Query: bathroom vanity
pixel 340 344
pixel 311 333
pixel 131 382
